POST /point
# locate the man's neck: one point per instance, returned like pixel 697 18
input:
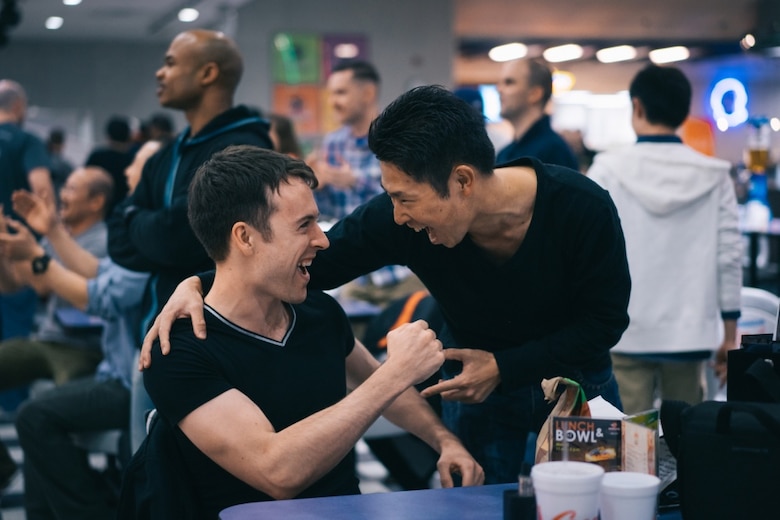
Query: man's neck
pixel 198 117
pixel 525 121
pixel 6 117
pixel 505 207
pixel 360 128
pixel 645 128
pixel 252 310
pixel 79 227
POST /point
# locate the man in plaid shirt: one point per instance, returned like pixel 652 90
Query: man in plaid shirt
pixel 349 174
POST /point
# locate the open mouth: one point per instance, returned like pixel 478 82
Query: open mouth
pixel 303 267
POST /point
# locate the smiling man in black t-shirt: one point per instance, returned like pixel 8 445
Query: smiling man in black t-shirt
pixel 261 407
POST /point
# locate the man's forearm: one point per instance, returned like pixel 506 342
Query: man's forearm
pixel 304 452
pixel 412 412
pixel 65 283
pixel 74 257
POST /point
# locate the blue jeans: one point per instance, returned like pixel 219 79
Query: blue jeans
pixel 500 432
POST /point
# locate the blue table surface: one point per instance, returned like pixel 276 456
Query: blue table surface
pixel 481 502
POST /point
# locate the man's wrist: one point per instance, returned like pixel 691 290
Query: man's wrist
pixel 40 264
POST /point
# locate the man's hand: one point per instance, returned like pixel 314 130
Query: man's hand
pixel 455 459
pixel 414 351
pixel 720 363
pixel 340 176
pixel 40 214
pixel 20 245
pixel 480 376
pixel 185 302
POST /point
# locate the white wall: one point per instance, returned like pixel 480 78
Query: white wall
pixel 410 40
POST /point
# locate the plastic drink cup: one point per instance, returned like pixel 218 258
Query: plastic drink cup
pixel 567 490
pixel 629 495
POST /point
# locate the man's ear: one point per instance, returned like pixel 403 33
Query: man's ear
pixel 242 238
pixel 462 178
pixel 535 95
pixel 98 203
pixel 209 73
pixel 638 108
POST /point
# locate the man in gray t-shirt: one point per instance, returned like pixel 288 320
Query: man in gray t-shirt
pixel 57 352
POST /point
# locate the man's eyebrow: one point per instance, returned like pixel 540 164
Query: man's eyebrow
pixel 308 218
pixel 393 194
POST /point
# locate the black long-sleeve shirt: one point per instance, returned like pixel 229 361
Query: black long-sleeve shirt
pixel 555 308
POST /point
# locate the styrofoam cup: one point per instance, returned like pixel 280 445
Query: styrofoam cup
pixel 626 494
pixel 567 489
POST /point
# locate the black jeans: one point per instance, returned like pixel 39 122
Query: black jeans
pixel 59 481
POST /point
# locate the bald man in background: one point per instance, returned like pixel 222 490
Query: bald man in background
pixel 149 231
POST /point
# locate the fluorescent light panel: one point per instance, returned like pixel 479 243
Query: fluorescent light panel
pixel 615 54
pixel 54 22
pixel 669 54
pixel 568 52
pixel 188 14
pixel 508 52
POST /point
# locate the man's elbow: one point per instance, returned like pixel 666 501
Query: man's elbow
pixel 282 484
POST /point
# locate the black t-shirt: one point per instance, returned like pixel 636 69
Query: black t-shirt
pixel 288 380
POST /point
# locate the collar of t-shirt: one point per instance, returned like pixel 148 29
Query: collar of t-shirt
pixel 658 139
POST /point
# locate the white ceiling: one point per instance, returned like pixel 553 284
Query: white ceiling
pixel 119 20
pixel 474 20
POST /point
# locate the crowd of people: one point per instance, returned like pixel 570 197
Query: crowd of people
pixel 205 246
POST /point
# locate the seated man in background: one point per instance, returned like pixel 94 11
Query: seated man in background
pixel 58 478
pixel 55 352
pixel 261 409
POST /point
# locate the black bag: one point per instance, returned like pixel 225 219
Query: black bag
pixel 729 460
pixel 754 370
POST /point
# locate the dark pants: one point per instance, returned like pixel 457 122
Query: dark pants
pixel 498 431
pixel 59 482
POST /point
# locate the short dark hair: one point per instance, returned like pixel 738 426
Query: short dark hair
pixel 56 135
pixel 235 186
pixel 118 129
pixel 285 132
pixel 361 70
pixel 665 94
pixel 427 131
pixel 540 75
pixel 161 122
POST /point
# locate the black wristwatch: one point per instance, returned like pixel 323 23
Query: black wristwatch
pixel 40 264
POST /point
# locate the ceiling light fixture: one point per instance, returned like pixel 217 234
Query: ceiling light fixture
pixel 346 51
pixel 748 41
pixel 615 54
pixel 71 2
pixel 54 22
pixel 188 14
pixel 568 52
pixel 508 52
pixel 669 54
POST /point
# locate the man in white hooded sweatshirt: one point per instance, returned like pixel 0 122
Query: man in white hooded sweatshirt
pixel 679 215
